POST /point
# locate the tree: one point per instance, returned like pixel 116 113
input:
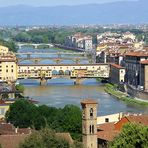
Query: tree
pixel 44 138
pixel 24 114
pixel 22 37
pixel 19 87
pixel 10 44
pixel 72 120
pixel 132 136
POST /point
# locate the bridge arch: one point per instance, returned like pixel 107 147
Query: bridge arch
pixel 61 72
pixel 28 45
pixel 55 72
pixel 67 72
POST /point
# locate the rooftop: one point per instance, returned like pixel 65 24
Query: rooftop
pixel 107 135
pixel 144 62
pixel 117 66
pixel 89 101
pixel 137 54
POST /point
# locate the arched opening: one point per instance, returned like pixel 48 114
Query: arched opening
pixel 55 72
pixel 90 129
pixel 91 112
pixel 61 72
pixel 93 129
pixel 67 72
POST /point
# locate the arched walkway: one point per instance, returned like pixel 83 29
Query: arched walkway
pixel 67 72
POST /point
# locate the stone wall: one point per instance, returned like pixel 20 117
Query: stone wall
pixel 137 93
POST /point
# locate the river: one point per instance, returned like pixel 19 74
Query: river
pixel 60 92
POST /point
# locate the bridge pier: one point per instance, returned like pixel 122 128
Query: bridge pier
pixel 43 82
pixel 78 81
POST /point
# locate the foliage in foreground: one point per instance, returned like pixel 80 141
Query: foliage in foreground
pixel 47 138
pixel 24 114
pixel 44 138
pixel 132 136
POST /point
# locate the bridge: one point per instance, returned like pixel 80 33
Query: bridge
pixel 77 72
pixel 58 59
pixel 20 45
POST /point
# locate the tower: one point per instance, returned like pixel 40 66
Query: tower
pixel 89 123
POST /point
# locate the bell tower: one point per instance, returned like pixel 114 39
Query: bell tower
pixel 89 123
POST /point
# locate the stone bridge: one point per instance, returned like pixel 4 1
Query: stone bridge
pixel 20 45
pixel 70 71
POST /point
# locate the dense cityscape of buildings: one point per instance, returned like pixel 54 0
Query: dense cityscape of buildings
pixel 128 66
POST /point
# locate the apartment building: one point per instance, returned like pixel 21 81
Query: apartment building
pixel 8 67
pixel 117 74
pixel 136 68
pixel 79 40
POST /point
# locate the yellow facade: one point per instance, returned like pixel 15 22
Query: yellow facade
pixel 3 109
pixel 8 67
pixel 3 50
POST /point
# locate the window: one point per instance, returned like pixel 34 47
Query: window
pixel 91 112
pixel 106 119
pixel 6 70
pixel 90 129
pixel 93 129
pixel 11 70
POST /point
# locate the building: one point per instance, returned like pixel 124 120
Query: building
pixel 135 66
pixel 12 137
pixel 89 123
pixel 8 67
pixel 109 118
pixel 144 75
pixel 117 74
pixel 129 35
pixel 108 131
pixel 79 40
pixel 3 50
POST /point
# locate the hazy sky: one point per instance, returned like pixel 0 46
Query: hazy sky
pixel 52 2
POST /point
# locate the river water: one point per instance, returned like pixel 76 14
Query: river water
pixel 60 92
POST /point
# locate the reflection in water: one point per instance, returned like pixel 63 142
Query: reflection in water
pixel 59 93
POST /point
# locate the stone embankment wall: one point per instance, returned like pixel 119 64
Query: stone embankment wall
pixel 137 93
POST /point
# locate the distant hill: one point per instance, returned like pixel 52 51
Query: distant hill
pixel 117 12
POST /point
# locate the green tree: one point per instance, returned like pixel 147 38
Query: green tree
pixel 69 119
pixel 23 113
pixel 19 87
pixel 10 44
pixel 44 138
pixel 22 37
pixel 132 136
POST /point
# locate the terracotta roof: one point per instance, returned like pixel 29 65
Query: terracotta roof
pixel 142 119
pixel 144 62
pixel 116 65
pixel 106 126
pixel 12 141
pixel 88 101
pixel 137 54
pixel 107 135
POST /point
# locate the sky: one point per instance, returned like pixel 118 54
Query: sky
pixel 52 2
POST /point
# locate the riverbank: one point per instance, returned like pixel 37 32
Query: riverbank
pixel 112 90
